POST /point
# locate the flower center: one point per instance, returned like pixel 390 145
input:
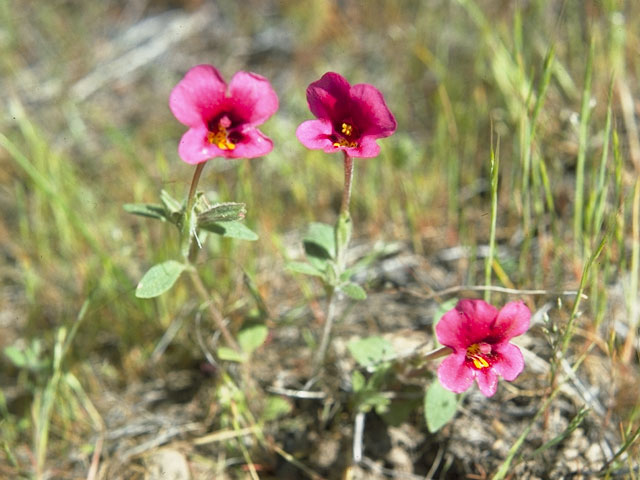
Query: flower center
pixel 346 138
pixel 478 353
pixel 220 137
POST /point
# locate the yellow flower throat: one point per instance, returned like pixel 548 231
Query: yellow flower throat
pixel 475 355
pixel 220 138
pixel 347 131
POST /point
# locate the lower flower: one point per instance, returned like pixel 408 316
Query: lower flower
pixel 479 336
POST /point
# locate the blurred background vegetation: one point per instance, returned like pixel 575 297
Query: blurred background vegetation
pixel 550 85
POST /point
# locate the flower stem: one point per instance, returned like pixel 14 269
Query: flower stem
pixel 194 185
pixel 318 360
pixel 348 178
pixel 215 315
pixel 437 353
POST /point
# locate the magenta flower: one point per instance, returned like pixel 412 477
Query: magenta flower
pixel 350 118
pixel 479 336
pixel 222 120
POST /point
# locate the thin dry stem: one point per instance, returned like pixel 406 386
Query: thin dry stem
pixel 213 312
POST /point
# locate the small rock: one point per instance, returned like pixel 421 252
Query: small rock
pixel 167 464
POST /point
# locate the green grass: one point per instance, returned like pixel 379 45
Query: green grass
pixel 554 81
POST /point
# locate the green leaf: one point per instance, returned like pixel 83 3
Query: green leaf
pixel 371 351
pixel 400 410
pixel 170 204
pixel 230 355
pixel 373 399
pixel 231 229
pixel 275 408
pixel 357 381
pixel 304 268
pixel 146 210
pixel 17 356
pixel 250 338
pixel 222 212
pixel 354 291
pixel 440 406
pixel 342 233
pixel 159 279
pixel 320 241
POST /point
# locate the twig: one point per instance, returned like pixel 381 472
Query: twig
pixel 213 312
pixel 210 358
pixel 482 288
pixel 294 461
pixel 95 458
pixel 358 432
pixel 159 439
pixel 224 435
pixel 305 394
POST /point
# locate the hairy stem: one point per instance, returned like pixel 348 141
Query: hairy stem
pixel 194 185
pixel 348 178
pixel 318 360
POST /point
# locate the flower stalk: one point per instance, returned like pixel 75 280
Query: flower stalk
pixel 349 118
pixel 192 249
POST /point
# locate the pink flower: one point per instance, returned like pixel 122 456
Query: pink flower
pixel 479 336
pixel 350 118
pixel 222 120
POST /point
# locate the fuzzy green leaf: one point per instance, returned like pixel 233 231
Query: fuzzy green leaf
pixel 440 406
pixel 170 204
pixel 320 241
pixel 304 268
pixel 371 351
pixel 159 279
pixel 275 408
pixel 146 210
pixel 231 229
pixel 230 355
pixel 357 381
pixel 222 212
pixel 250 338
pixel 354 291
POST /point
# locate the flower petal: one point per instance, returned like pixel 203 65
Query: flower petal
pixel 329 97
pixel 367 148
pixel 194 147
pixel 454 374
pixel 252 98
pixel 468 323
pixel 254 144
pixel 316 134
pixel 512 320
pixel 372 115
pixel 198 96
pixel 487 381
pixel 510 362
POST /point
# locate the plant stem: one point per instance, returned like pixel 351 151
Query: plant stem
pixel 194 185
pixel 213 312
pixel 343 235
pixel 348 178
pixel 318 360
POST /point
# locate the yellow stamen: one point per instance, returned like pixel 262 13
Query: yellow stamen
pixel 220 138
pixel 345 143
pixel 347 129
pixel 479 362
pixel 474 354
